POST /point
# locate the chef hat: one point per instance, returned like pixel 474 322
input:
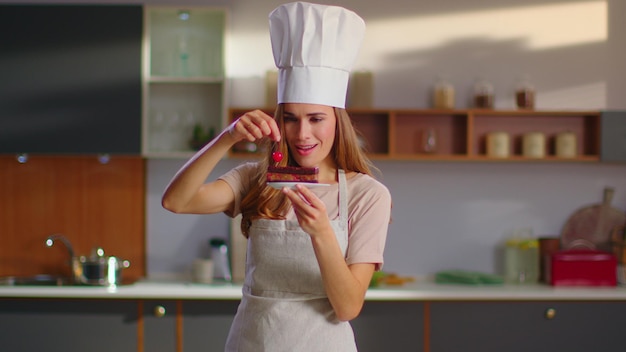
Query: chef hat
pixel 314 49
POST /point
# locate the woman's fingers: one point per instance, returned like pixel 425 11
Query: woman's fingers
pixel 309 209
pixel 305 201
pixel 255 125
pixel 297 199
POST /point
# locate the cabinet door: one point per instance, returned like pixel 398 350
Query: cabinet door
pixel 66 325
pixel 390 326
pixel 160 326
pixel 71 80
pixel 206 324
pixel 613 136
pixel 184 78
pixel 93 202
pixel 526 326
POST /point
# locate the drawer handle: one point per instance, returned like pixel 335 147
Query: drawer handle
pixel 159 311
pixel 550 313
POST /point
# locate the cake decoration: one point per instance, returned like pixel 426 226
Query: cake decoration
pixel 277 156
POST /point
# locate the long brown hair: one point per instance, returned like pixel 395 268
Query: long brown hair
pixel 266 202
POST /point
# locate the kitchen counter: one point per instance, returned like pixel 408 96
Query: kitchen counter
pixel 422 290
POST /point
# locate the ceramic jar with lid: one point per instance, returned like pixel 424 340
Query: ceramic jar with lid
pixel 534 145
pixel 565 145
pixel 498 145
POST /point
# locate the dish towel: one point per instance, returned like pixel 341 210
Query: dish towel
pixel 467 278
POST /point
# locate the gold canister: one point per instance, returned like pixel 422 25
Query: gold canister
pixel 566 145
pixel 534 145
pixel 498 145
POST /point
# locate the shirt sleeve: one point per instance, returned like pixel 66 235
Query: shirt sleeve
pixel 240 180
pixel 369 222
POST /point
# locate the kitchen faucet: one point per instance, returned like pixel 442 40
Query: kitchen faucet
pixel 74 264
pixel 50 241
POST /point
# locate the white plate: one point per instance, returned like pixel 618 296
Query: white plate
pixel 280 185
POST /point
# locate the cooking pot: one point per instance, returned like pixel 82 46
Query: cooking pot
pixel 98 269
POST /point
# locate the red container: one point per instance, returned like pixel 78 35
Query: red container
pixel 582 268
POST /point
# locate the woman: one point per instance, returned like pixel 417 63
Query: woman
pixel 311 251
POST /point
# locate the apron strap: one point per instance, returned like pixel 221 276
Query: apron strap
pixel 343 199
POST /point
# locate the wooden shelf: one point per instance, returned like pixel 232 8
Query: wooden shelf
pixel 461 134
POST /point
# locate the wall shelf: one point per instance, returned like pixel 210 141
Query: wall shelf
pixel 461 134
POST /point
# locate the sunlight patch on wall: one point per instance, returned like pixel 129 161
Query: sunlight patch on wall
pixel 535 27
pixel 583 97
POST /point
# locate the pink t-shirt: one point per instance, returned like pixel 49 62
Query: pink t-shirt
pixel 369 211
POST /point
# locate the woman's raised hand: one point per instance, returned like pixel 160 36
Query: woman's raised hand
pixel 254 125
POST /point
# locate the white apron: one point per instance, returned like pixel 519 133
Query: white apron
pixel 284 305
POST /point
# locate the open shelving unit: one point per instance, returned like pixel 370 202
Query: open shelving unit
pixel 461 135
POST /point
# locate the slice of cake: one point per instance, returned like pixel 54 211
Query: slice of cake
pixel 292 174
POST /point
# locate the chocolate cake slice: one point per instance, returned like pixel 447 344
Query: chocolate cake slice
pixel 292 174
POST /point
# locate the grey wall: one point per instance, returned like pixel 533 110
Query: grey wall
pixel 445 215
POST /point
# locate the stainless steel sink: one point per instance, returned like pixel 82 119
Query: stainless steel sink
pixel 36 280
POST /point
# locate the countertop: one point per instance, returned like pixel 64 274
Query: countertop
pixel 421 290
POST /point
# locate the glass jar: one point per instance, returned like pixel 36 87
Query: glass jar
pixel 521 260
pixel 483 95
pixel 529 263
pixel 525 94
pixel 443 97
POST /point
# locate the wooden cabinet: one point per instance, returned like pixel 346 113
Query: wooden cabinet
pixel 68 325
pixel 70 79
pixel 182 325
pixel 613 136
pixel 183 77
pixel 381 326
pixel 526 326
pixel 390 326
pixel 81 85
pixel 161 326
pixel 205 324
pixel 461 135
pixel 115 325
pixel 92 201
pixel 202 325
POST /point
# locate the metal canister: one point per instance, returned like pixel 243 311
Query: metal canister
pixel 566 145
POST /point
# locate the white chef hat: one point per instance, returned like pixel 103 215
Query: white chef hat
pixel 315 47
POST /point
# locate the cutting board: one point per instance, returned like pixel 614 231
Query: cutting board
pixel 591 226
